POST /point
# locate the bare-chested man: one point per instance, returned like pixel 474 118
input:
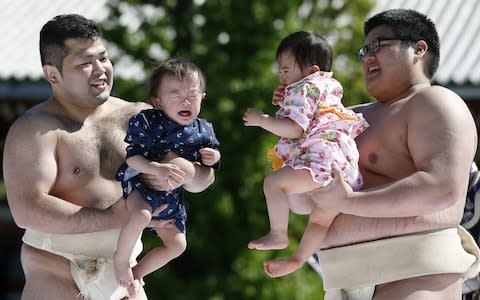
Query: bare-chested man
pixel 415 159
pixel 59 164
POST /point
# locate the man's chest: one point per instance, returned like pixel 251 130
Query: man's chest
pixel 384 147
pixel 90 151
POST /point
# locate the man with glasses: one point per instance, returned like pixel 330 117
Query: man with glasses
pixel 375 45
pixel 400 233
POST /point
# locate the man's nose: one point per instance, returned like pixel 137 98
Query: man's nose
pixel 98 66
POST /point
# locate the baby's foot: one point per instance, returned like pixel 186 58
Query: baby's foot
pixel 281 267
pixel 271 241
pixel 133 289
pixel 123 273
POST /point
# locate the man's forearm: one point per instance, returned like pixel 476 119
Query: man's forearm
pixel 69 218
pixel 415 195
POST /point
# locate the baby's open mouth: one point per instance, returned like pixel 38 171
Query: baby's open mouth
pixel 185 113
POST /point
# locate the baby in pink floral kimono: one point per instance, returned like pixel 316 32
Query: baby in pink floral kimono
pixel 315 131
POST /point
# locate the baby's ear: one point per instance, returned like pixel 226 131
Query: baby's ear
pixel 314 68
pixel 155 101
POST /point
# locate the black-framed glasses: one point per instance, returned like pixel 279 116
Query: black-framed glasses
pixel 375 45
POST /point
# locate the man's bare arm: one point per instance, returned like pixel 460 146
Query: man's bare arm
pixel 441 140
pixel 30 173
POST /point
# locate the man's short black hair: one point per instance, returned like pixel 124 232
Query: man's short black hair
pixel 408 22
pixel 57 30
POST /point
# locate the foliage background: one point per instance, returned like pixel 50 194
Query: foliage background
pixel 234 43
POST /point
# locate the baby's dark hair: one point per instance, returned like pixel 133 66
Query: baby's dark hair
pixel 177 67
pixel 308 48
pixel 408 22
pixel 54 33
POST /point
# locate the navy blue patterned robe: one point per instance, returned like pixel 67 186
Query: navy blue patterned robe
pixel 151 134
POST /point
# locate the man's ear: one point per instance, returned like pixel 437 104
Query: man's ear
pixel 420 47
pixel 51 74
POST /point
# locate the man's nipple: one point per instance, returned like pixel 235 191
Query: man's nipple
pixel 76 171
pixel 372 158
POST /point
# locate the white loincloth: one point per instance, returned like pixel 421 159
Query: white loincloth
pixel 351 272
pixel 91 259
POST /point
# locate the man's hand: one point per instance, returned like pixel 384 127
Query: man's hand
pixel 335 195
pixel 254 117
pixel 209 156
pixel 164 176
pixel 278 95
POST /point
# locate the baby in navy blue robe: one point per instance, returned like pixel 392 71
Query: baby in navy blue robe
pixel 171 142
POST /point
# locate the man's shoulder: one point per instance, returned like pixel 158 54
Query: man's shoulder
pixel 363 107
pixel 438 103
pixel 36 124
pixel 127 108
pixel 38 116
pixel 434 96
pixel 435 93
pixel 124 104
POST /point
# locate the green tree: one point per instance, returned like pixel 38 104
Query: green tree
pixel 234 43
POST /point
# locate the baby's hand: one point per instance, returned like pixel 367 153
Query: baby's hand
pixel 278 95
pixel 253 117
pixel 209 156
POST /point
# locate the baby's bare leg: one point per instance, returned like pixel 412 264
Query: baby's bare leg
pixel 174 244
pixel 318 224
pixel 300 204
pixel 277 186
pixel 204 177
pixel 139 217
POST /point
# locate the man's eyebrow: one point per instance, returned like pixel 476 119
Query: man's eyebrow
pixel 89 55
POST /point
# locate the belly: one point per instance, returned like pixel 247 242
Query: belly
pixel 97 192
pixel 349 229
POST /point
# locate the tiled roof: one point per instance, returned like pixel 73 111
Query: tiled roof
pixel 458 23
